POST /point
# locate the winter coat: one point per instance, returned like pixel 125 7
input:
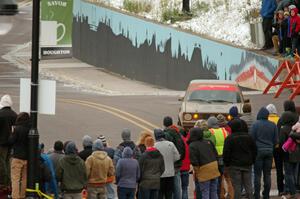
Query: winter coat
pixel 45 177
pixel 50 187
pixel 203 156
pixel 7 120
pixel 294 25
pixel 248 118
pixel 19 140
pixel 99 166
pixel 85 153
pixel 239 148
pixel 127 170
pixel 55 157
pixel 170 155
pixel 186 161
pixel 172 134
pixel 152 167
pixel 120 148
pixel 71 172
pixel 267 9
pixel 264 132
pixel 110 152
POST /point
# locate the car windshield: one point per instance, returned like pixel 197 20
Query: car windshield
pixel 214 96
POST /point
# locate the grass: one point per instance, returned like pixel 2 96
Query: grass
pixel 137 6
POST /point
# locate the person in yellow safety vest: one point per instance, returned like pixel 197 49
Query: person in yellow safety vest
pixel 220 135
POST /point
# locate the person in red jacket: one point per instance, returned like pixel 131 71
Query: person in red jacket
pixel 185 167
pixel 294 29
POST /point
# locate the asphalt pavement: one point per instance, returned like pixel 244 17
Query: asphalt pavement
pixel 90 100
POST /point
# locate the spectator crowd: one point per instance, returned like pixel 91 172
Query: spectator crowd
pixel 225 159
pixel 281 26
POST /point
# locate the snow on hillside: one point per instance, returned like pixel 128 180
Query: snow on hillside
pixel 226 20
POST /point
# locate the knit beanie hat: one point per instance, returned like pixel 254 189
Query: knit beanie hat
pixel 168 121
pixel 103 139
pixel 6 101
pixel 126 134
pixel 247 108
pixel 87 141
pixel 71 148
pixel 233 111
pixel 127 152
pixel 272 109
pixel 149 142
pixel 212 122
pixel 221 120
pixel 159 134
pixel 97 145
pixel 202 124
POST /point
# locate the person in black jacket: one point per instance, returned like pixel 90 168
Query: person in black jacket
pixel 172 134
pixel 152 166
pixel 239 155
pixel 87 144
pixel 7 120
pixel 288 118
pixel 19 143
pixel 203 157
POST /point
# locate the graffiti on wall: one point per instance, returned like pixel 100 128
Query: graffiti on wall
pixel 158 54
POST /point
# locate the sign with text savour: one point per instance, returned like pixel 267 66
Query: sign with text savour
pixel 56 28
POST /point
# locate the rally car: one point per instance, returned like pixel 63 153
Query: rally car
pixel 205 98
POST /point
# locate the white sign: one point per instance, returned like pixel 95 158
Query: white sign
pixel 46 96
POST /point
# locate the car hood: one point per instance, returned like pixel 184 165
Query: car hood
pixel 192 107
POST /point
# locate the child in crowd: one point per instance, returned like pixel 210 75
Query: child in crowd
pixel 279 31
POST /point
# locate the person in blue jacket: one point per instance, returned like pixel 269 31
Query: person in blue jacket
pixel 51 186
pixel 267 12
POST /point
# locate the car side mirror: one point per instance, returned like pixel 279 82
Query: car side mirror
pixel 247 100
pixel 180 99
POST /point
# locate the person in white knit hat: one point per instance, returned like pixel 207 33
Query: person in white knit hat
pixel 7 120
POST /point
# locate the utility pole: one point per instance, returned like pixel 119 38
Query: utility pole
pixel 33 137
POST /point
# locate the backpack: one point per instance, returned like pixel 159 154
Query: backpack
pixel 173 136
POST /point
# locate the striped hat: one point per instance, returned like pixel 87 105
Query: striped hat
pixel 103 139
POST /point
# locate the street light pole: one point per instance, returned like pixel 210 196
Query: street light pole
pixel 33 137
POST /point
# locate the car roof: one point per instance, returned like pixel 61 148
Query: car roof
pixel 212 81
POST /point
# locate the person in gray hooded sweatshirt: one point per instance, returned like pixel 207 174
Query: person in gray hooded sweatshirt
pixel 170 155
pixel 127 175
pixel 126 136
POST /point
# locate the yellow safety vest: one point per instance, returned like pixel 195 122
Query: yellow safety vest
pixel 220 135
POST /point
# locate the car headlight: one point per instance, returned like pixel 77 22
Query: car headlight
pixel 195 116
pixel 229 117
pixel 187 116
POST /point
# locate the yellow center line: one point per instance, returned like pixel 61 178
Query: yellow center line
pixel 116 110
pixel 108 111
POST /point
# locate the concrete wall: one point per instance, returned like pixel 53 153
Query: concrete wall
pixel 158 54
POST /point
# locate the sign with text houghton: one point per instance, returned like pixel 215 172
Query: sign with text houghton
pixel 56 28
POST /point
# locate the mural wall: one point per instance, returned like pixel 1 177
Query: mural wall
pixel 157 54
